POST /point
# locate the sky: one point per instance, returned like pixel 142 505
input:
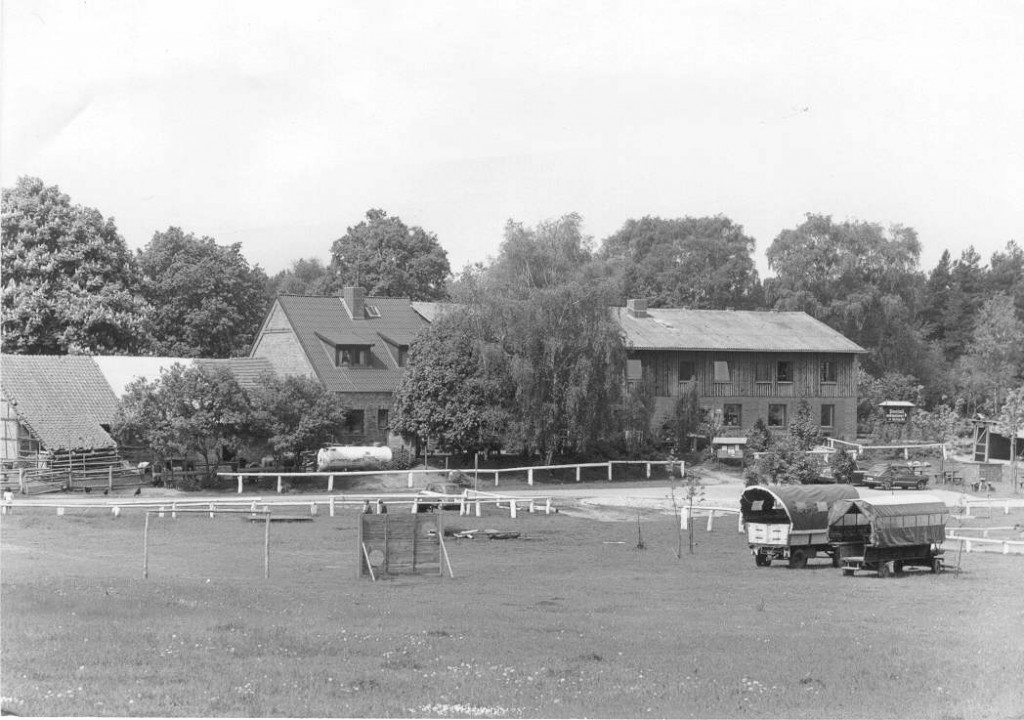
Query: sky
pixel 278 125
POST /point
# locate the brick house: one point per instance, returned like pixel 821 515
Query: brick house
pixel 745 365
pixel 356 346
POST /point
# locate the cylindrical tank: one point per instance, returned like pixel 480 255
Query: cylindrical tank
pixel 352 457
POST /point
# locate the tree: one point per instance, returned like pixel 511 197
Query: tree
pixel 453 395
pixel 293 414
pixel 69 281
pixel 207 301
pixel 1010 422
pixel 548 311
pixel 804 431
pixel 997 352
pixel 686 418
pixel 690 262
pixel 843 466
pixel 1006 275
pixel 966 295
pixel 186 411
pixel 857 277
pixel 390 259
pixel 304 277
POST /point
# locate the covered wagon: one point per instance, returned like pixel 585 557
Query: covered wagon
pixel 790 522
pixel 887 532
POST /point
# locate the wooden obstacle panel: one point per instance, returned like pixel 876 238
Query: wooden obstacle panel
pixel 400 543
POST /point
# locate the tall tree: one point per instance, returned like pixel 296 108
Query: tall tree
pixel 390 259
pixel 857 277
pixel 703 263
pixel 966 295
pixel 294 414
pixel 996 356
pixel 304 277
pixel 207 301
pixel 187 410
pixel 1006 275
pixel 69 280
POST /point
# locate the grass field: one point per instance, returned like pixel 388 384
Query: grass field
pixel 569 620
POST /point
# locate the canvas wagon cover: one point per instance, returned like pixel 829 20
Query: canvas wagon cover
pixel 806 506
pixel 898 520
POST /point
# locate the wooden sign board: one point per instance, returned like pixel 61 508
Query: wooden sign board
pixel 401 543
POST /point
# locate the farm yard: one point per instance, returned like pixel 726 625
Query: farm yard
pixel 570 619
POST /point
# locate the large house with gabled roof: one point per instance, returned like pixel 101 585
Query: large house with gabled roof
pixel 355 345
pixel 744 365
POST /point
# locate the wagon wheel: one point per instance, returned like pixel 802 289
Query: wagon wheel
pixel 762 559
pixel 897 567
pixel 835 559
pixel 884 570
pixel 798 558
pixel 936 565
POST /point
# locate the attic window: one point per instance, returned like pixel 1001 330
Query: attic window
pixel 351 356
pixel 784 371
pixel 372 311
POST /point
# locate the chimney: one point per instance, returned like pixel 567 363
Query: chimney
pixel 354 299
pixel 637 308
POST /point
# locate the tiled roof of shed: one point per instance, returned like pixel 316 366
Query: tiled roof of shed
pixel 722 330
pixel 62 399
pixel 247 371
pixel 329 318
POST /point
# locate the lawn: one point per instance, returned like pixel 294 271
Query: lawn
pixel 568 620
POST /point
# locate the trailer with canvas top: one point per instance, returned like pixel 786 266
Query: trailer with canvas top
pixel 790 522
pixel 886 533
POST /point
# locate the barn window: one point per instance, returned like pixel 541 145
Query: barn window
pixel 828 416
pixel 634 370
pixel 776 416
pixel 828 371
pixel 732 415
pixel 721 371
pixel 686 371
pixel 784 371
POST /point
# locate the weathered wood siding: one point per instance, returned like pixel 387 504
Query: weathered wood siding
pixel 753 383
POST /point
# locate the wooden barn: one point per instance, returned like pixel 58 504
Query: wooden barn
pixel 744 365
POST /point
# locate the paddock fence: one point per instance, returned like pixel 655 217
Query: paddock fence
pixel 529 471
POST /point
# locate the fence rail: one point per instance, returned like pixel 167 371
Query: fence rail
pixel 241 475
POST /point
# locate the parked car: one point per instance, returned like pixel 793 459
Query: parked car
pixel 430 498
pixel 903 475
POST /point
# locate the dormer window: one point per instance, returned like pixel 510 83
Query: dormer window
pixel 372 311
pixel 351 356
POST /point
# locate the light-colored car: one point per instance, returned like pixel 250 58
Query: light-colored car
pixel 431 496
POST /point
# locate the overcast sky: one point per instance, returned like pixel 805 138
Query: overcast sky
pixel 278 125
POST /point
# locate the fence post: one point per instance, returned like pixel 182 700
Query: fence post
pixel 312 508
pixel 174 510
pixel 496 475
pixel 711 519
pixel 117 511
pixel 478 508
pixel 163 510
pixel 684 519
pixel 212 506
pixel 609 469
pixel 529 476
pixel 279 484
pixel 577 473
pixel 648 471
pixel 21 481
pixel 332 506
pixel 533 507
pixel 110 479
pixel 239 484
pixel 415 506
pixel 330 483
pixel 547 507
pixel 512 508
pixel 739 522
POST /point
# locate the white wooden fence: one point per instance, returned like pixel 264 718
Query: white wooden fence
pixel 687 514
pixel 411 474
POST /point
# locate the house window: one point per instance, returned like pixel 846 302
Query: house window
pixel 762 372
pixel 776 416
pixel 382 420
pixel 828 371
pixel 732 415
pixel 721 371
pixel 634 370
pixel 355 422
pixel 828 416
pixel 346 356
pixel 403 356
pixel 784 371
pixel 686 372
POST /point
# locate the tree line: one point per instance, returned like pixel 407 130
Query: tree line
pixel 530 357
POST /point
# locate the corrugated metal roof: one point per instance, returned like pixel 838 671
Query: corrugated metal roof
pixel 676 329
pixel 62 399
pixel 329 318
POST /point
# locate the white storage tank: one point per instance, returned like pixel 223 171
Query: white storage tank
pixel 352 457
